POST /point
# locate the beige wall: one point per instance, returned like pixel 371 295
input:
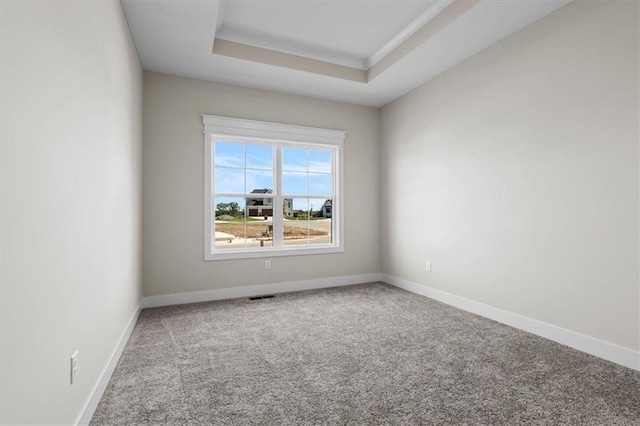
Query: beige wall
pixel 71 201
pixel 173 183
pixel 516 174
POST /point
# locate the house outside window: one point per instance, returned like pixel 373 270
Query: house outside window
pixel 264 206
pixel 252 167
pixel 326 208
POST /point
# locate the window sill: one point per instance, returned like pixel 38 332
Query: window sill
pixel 272 252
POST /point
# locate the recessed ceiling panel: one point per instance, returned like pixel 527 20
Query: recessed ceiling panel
pixel 342 32
pixel 177 37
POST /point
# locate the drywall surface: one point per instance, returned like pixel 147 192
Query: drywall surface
pixel 174 181
pixel 71 201
pixel 516 175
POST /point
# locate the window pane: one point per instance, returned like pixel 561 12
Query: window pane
pixel 260 207
pixel 294 159
pixel 229 223
pixel 326 209
pixel 320 184
pixel 296 226
pixel 259 181
pixel 259 232
pixel 287 208
pixel 319 161
pixel 259 223
pixel 323 222
pixel 324 227
pixel 294 183
pixel 227 208
pixel 306 225
pixel 229 154
pixel 245 172
pixel 235 230
pixel 300 207
pixel 228 180
pixel 259 157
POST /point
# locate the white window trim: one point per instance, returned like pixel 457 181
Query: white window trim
pixel 251 130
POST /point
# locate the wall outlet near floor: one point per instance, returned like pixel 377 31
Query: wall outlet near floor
pixel 267 264
pixel 428 266
pixel 74 367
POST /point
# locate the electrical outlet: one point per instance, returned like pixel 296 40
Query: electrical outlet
pixel 267 264
pixel 74 366
pixel 428 266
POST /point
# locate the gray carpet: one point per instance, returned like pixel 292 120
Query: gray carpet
pixel 365 354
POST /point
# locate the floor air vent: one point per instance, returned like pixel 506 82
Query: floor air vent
pixel 270 296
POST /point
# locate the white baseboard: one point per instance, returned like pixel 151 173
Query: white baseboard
pixel 255 290
pixel 92 403
pixel 204 296
pixel 609 351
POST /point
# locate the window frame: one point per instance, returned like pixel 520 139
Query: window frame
pixel 279 135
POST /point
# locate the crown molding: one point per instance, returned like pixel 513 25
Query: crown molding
pixel 290 47
pixel 280 59
pixel 432 21
pixel 436 24
pixel 407 32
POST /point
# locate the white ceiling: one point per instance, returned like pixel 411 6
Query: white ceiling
pixel 346 33
pixel 177 37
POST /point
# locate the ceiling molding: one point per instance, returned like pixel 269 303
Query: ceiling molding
pixel 428 24
pixel 280 59
pixel 406 32
pixel 293 47
pixel 176 37
pixel 453 11
pixel 290 47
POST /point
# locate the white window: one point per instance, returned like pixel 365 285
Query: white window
pixel 271 189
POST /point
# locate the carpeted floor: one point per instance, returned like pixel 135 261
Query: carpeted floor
pixel 365 354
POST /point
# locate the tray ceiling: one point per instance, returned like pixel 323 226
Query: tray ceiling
pixel 366 52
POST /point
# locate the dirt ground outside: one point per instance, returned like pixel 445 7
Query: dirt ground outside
pixel 260 230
